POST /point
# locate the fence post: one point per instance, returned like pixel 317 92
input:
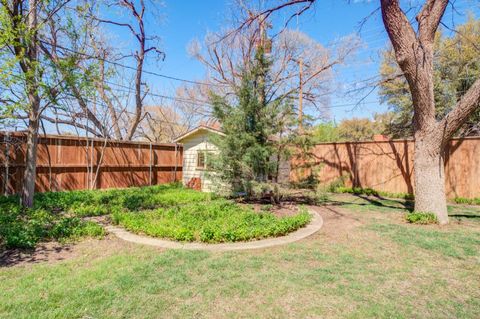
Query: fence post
pixel 176 160
pixel 7 164
pixel 87 160
pixel 150 165
pixel 58 182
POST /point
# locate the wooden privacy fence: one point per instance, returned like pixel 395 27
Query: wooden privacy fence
pixel 388 166
pixel 69 163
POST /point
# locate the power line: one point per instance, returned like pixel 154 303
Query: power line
pixel 130 90
pixel 132 68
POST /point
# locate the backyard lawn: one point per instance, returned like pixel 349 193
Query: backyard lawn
pixel 366 261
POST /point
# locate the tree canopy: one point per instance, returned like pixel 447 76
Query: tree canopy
pixel 456 65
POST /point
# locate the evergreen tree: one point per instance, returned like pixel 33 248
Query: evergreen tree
pixel 249 151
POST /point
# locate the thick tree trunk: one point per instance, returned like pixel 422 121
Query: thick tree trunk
pixel 429 173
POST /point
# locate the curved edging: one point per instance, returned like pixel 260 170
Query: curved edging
pixel 315 224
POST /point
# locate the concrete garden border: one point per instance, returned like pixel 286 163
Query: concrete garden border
pixel 315 225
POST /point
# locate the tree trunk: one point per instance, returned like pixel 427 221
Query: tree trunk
pixel 429 173
pixel 28 186
pixel 31 73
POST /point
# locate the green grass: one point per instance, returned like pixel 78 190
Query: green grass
pixel 467 244
pixel 360 203
pixel 366 262
pixel 211 221
pixel 361 265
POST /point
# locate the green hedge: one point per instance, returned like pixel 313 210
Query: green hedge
pixel 369 191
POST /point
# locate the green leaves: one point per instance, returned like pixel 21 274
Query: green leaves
pixel 58 215
pixel 251 124
pixel 456 67
pixel 212 222
pixel 421 218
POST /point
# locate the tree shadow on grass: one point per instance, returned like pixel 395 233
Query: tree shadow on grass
pixel 42 253
pixel 405 204
pixel 352 200
pixel 466 216
pixel 376 201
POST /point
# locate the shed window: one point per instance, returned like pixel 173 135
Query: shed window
pixel 201 159
pixel 204 160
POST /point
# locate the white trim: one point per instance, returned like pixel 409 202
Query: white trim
pixel 198 129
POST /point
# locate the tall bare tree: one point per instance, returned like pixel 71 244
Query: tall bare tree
pixel 173 117
pixel 298 60
pixel 29 67
pixel 136 26
pixel 21 22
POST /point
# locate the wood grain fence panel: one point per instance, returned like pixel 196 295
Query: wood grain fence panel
pixel 388 166
pixel 72 163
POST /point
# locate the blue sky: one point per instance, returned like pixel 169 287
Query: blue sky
pixel 183 21
pixel 330 20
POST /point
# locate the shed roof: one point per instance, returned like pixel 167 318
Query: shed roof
pixel 196 130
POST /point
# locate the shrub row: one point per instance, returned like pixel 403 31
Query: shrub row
pixel 370 191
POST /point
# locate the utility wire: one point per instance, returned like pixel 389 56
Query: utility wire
pixel 130 67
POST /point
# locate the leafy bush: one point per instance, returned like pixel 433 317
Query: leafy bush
pixel 421 218
pixel 272 191
pixel 213 222
pixel 337 183
pixel 58 215
pixel 24 229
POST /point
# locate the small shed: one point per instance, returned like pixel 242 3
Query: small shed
pixel 197 146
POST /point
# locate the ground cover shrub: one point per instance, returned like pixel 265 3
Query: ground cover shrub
pixel 85 203
pixel 25 228
pixel 213 222
pixel 468 201
pixel 59 215
pixel 423 218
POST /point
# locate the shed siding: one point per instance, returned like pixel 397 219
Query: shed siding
pixel 191 145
